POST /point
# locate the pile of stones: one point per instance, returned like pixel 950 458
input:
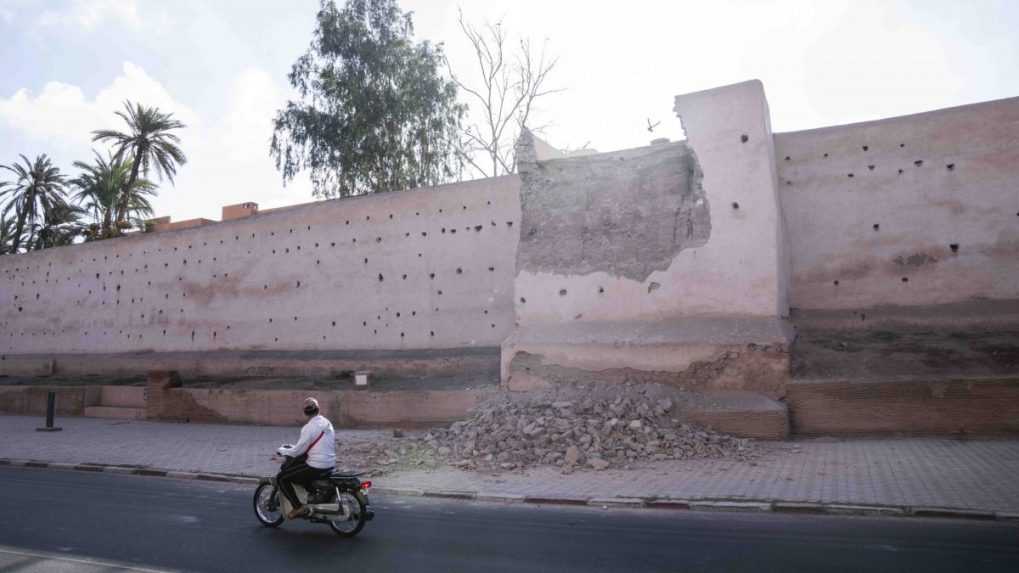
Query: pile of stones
pixel 578 427
pixel 594 432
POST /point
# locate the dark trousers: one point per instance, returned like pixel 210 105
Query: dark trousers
pixel 299 473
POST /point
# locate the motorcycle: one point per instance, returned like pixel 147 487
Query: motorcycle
pixel 339 500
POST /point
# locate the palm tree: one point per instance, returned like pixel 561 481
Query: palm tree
pixel 37 190
pixel 149 145
pixel 60 226
pixel 6 234
pixel 100 191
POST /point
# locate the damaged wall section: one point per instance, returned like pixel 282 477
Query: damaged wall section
pixel 656 264
pixel 626 213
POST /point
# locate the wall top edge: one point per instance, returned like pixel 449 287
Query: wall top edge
pixel 1010 101
pixel 360 201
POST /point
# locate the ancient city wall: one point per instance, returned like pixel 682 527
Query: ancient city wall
pixel 913 210
pixel 673 263
pixel 429 269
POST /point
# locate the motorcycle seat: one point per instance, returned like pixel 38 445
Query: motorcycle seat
pixel 345 474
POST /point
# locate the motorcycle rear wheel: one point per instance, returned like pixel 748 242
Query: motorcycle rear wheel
pixel 353 524
pixel 263 501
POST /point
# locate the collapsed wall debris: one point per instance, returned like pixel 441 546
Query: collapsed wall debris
pixel 571 427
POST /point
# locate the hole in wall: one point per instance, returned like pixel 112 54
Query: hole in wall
pixel 826 156
pixel 562 292
pixel 787 158
pixel 877 226
pixel 950 167
pixel 835 282
pixel 918 162
pixel 905 279
pixel 744 138
pixel 865 148
pixel 900 172
pixel 954 247
pixel 871 167
pixel 735 205
pixel 523 300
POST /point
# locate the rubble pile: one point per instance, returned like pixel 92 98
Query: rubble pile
pixel 577 427
pixel 595 432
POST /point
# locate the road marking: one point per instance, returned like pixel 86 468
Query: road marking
pixel 79 560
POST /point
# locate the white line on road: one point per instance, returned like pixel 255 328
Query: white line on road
pixel 98 564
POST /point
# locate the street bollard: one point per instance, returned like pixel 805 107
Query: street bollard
pixel 51 406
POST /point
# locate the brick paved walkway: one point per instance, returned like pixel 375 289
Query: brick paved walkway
pixel 972 474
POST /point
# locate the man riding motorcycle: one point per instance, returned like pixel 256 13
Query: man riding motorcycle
pixel 314 456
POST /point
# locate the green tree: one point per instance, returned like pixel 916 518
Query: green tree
pixel 149 145
pixel 100 191
pixel 375 113
pixel 60 226
pixel 37 190
pixel 6 235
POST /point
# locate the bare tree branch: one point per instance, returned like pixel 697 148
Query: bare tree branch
pixel 508 84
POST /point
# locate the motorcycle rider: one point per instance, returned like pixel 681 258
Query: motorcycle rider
pixel 314 456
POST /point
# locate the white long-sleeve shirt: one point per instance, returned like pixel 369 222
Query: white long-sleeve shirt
pixel 323 454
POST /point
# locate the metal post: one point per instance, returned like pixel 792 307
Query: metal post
pixel 51 406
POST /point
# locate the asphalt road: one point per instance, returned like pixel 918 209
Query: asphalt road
pixel 77 522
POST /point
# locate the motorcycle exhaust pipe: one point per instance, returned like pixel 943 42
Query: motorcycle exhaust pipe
pixel 327 509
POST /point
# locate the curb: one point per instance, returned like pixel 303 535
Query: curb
pixel 130 470
pixel 713 505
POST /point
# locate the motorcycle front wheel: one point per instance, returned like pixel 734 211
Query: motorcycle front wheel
pixel 357 514
pixel 267 505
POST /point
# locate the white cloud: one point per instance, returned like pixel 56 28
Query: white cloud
pixel 61 112
pixel 89 14
pixel 228 157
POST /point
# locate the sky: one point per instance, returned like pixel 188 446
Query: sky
pixel 220 67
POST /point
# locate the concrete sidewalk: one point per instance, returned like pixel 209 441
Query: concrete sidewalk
pixel 920 476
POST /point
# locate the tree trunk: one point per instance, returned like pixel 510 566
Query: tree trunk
pixel 105 230
pixel 17 232
pixel 125 195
